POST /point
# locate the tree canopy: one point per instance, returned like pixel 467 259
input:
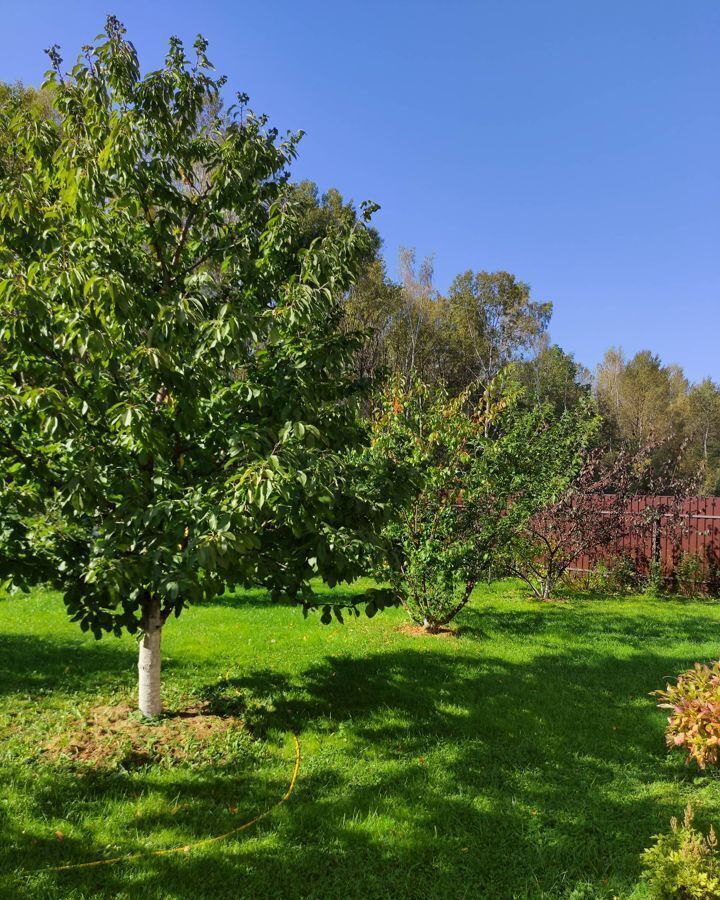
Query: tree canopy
pixel 177 403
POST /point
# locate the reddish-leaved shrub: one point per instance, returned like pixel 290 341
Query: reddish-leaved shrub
pixel 694 720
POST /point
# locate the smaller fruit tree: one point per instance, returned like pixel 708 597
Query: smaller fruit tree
pixel 554 484
pixel 444 538
pixel 569 498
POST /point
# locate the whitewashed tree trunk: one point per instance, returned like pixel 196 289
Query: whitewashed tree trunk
pixel 149 660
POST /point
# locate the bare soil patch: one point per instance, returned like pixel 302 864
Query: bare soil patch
pixel 111 736
pixel 418 631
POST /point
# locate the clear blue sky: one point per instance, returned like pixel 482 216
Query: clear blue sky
pixel 575 144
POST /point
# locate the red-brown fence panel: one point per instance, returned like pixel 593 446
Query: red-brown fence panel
pixel 680 530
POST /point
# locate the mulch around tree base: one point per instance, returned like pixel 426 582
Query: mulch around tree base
pixel 419 631
pixel 110 736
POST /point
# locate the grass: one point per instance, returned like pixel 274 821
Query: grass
pixel 523 758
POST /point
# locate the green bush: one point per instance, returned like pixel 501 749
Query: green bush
pixel 622 574
pixel 683 864
pixel 689 575
pixel 654 583
pixel 595 580
pixel 694 723
pixel 446 537
pixel 616 575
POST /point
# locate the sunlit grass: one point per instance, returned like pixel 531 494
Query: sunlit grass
pixel 522 758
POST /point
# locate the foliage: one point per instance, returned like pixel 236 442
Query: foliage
pixel 641 398
pixel 37 105
pixel 683 865
pixel 702 431
pixel 552 377
pixel 689 574
pixel 644 402
pixel 492 322
pixel 445 536
pixel 616 575
pixel 694 720
pixel 321 214
pixel 176 400
pixel 543 466
pixel 405 322
pixel 574 500
pixel 622 574
pixel 655 580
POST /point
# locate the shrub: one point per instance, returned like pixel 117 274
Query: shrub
pixel 654 582
pixel 622 574
pixel 617 575
pixel 573 499
pixel 683 864
pixel 712 577
pixel 694 722
pixel 689 574
pixel 594 580
pixel 443 540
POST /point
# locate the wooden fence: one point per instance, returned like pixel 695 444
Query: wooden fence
pixel 692 531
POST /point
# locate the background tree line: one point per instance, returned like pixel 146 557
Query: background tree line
pixel 486 322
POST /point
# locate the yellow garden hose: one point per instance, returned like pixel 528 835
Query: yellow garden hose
pixel 186 848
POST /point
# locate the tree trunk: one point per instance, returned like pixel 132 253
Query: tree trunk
pixel 149 660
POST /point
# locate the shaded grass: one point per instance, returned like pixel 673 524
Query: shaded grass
pixel 522 759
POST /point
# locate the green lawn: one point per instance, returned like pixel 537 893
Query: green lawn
pixel 522 758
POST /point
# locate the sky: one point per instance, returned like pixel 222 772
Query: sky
pixel 575 144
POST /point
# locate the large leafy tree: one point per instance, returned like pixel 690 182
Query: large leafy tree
pixel 176 404
pixel 554 378
pixel 703 430
pixel 641 399
pixel 493 322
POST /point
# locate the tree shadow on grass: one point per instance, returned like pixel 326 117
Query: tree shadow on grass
pixel 30 664
pixel 425 774
pixel 239 598
pixel 485 783
pixel 544 751
pixel 545 777
pixel 563 621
